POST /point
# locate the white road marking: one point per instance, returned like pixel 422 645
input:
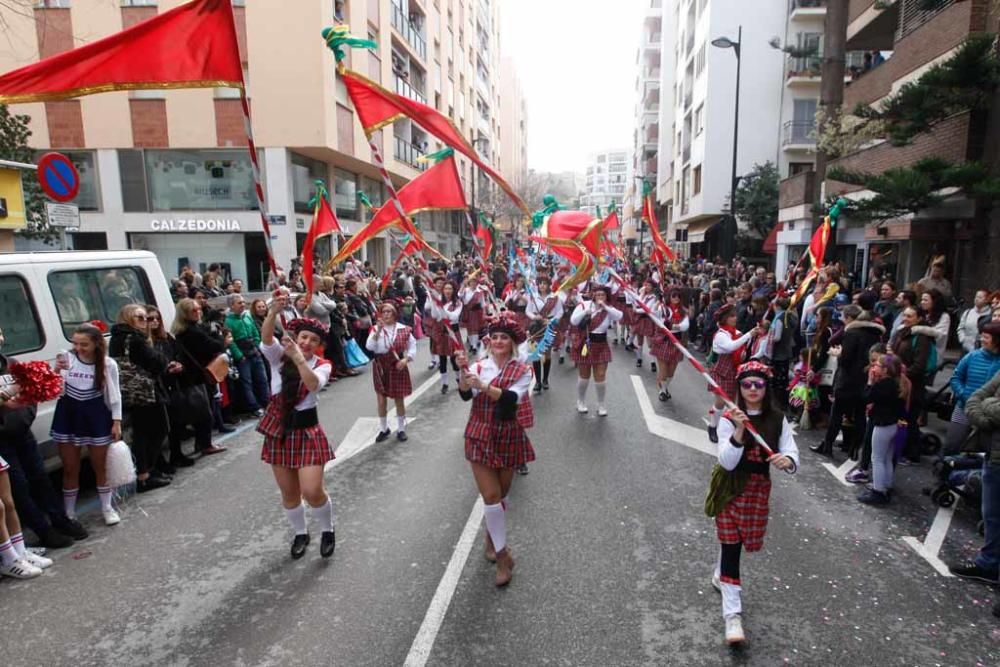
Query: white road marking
pixel 420 649
pixel 840 472
pixel 669 429
pixel 931 546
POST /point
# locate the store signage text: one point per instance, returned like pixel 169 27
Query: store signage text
pixel 195 225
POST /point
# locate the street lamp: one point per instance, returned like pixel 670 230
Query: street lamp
pixel 729 235
pixel 642 205
pixel 475 144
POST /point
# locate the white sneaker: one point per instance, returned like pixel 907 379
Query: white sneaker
pixel 38 551
pixel 734 630
pixel 41 562
pixel 716 582
pixel 582 408
pixel 602 411
pixel 20 569
pixel 111 517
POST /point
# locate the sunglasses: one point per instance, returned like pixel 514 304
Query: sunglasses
pixel 142 318
pixel 753 384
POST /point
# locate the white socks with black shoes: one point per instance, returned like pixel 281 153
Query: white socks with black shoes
pixel 322 517
pixel 297 517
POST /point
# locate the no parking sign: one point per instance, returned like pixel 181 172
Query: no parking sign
pixel 58 177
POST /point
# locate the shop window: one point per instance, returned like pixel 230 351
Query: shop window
pixel 345 194
pixel 21 329
pixel 305 173
pixel 132 170
pixel 96 294
pixel 179 180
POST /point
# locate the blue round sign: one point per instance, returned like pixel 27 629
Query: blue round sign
pixel 58 177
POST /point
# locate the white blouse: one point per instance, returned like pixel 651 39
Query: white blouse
pixel 537 302
pixel 381 343
pixel 451 311
pixel 723 343
pixel 729 455
pixel 588 307
pixel 487 369
pixel 273 354
pixel 664 313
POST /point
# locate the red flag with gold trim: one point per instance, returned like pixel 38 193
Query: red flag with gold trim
pixel 659 245
pixel 324 223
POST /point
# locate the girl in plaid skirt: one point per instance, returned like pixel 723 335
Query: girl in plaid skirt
pixel 742 521
pixel 394 347
pixel 674 315
pixel 590 349
pixel 294 443
pixel 495 438
pixel 644 329
pixel 543 307
pixel 474 297
pixel 727 345
pixel 517 301
pixel 446 308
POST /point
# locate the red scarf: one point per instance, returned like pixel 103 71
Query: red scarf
pixel 735 335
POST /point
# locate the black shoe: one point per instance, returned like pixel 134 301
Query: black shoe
pixel 162 466
pixel 537 388
pixel 227 429
pixel 545 385
pixel 156 474
pixel 652 366
pixel 972 571
pixel 444 389
pixel 382 436
pixel 638 363
pixel 299 545
pixel 562 360
pixel 181 461
pixel 401 436
pixel 663 396
pixel 151 483
pixel 713 434
pixel 873 497
pixel 522 469
pixel 53 539
pixel 821 449
pixel 327 543
pixel 70 527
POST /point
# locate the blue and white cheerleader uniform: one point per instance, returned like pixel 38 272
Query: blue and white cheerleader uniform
pixel 84 413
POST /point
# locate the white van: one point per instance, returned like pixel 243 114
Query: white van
pixel 44 296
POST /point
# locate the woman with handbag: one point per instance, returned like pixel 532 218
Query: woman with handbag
pixel 143 392
pixel 88 414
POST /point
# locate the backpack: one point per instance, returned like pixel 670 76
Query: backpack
pixel 932 361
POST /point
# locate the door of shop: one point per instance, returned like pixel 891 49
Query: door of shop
pixel 256 258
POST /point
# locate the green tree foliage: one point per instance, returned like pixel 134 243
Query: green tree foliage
pixel 14 135
pixel 757 198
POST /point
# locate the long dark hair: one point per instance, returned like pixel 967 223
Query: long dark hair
pixel 767 409
pixel 100 352
pixel 291 383
pixel 937 307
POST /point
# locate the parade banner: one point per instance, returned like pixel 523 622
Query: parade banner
pixel 659 245
pixel 485 241
pixel 324 223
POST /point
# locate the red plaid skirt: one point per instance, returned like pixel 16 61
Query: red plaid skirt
pixel 388 381
pixel 664 350
pixel 476 320
pixel 643 326
pixel 597 354
pixel 296 448
pixel 507 447
pixel 744 519
pixel 522 319
pixel 724 372
pixel 441 342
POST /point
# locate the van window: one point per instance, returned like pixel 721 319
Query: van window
pixel 18 318
pixel 96 294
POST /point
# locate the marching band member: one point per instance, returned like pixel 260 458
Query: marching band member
pixel 474 297
pixel 543 307
pixel 430 323
pixel 562 330
pixel 674 315
pixel 590 349
pixel 727 344
pixel 448 313
pixel 643 327
pixel 394 347
pixel 517 301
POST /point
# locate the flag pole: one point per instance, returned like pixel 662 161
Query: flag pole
pixel 257 187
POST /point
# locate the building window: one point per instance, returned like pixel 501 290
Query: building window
pixel 696 183
pixel 699 120
pixel 305 171
pixel 799 168
pixel 96 294
pixel 140 3
pixel 192 180
pixel 21 330
pixel 699 61
pixel 53 3
pixel 375 190
pixel 345 194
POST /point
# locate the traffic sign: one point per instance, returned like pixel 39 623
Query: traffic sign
pixel 58 177
pixel 62 215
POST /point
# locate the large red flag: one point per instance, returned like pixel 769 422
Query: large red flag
pixel 437 189
pixel 611 221
pixel 323 224
pixel 486 241
pixel 191 46
pixel 378 107
pixel 817 245
pixel 649 215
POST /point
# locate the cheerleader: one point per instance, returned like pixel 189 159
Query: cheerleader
pixel 674 315
pixel 741 514
pixel 88 414
pixel 495 438
pixel 644 329
pixel 517 302
pixel 447 313
pixel 590 349
pixel 727 346
pixel 541 308
pixel 295 445
pixel 473 295
pixel 394 347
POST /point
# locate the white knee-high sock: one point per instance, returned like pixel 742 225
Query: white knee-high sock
pixel 383 423
pixel 69 502
pixel 297 517
pixel 17 541
pixel 638 351
pixel 731 599
pixel 581 389
pixel 713 417
pixel 666 382
pixel 104 493
pixel 401 422
pixel 323 516
pixel 496 525
pixel 444 377
pixel 7 554
pixel 601 388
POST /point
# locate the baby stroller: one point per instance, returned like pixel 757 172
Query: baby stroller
pixel 959 476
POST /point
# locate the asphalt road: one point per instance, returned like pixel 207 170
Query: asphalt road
pixel 613 551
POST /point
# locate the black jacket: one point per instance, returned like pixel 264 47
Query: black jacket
pixel 887 406
pixel 142 354
pixel 13 422
pixel 913 346
pixel 858 338
pixel 197 342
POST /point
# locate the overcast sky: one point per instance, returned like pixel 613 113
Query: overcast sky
pixel 576 62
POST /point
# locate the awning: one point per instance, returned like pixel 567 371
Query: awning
pixel 698 229
pixel 771 242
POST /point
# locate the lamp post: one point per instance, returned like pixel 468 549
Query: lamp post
pixel 475 144
pixel 729 235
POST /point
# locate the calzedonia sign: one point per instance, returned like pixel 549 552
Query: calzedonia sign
pixel 195 225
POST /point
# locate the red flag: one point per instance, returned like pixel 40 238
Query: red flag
pixel 191 46
pixel 817 245
pixel 378 107
pixel 324 223
pixel 578 226
pixel 486 241
pixel 649 215
pixel 437 189
pixel 611 221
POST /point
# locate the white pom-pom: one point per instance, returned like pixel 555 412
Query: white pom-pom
pixel 120 467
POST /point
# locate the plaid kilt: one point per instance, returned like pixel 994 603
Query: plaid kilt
pixel 643 325
pixel 389 381
pixel 597 353
pixel 724 372
pixel 664 350
pixel 744 519
pixel 476 320
pixel 441 342
pixel 522 319
pixel 295 448
pixel 500 443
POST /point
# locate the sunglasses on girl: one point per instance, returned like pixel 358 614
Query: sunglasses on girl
pixel 753 384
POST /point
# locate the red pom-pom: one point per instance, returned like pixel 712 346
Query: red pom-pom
pixel 99 325
pixel 38 382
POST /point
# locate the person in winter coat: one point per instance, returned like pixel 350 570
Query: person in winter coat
pixel 973 371
pixel 912 342
pixel 860 333
pixel 246 340
pixel 968 325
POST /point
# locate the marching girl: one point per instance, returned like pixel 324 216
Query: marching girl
pixel 495 438
pixel 473 295
pixel 562 330
pixel 448 313
pixel 590 349
pixel 674 315
pixel 727 345
pixel 88 414
pixel 541 308
pixel 429 323
pixel 620 301
pixel 394 347
pixel 295 445
pixel 741 518
pixel 517 302
pixel 644 328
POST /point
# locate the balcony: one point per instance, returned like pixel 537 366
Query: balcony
pixel 798 134
pixel 651 96
pixel 804 70
pixel 872 24
pixel 688 99
pixel 797 190
pixel 404 88
pixel 409 32
pixel 807 8
pixel 651 42
pixel 408 153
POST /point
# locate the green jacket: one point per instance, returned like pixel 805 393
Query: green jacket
pixel 983 411
pixel 246 335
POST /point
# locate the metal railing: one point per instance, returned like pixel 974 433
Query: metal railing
pixel 401 22
pixel 408 153
pixel 404 88
pixel 810 66
pixel 799 132
pixel 806 4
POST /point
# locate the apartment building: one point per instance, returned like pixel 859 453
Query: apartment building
pixel 168 171
pixel 604 180
pixel 514 141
